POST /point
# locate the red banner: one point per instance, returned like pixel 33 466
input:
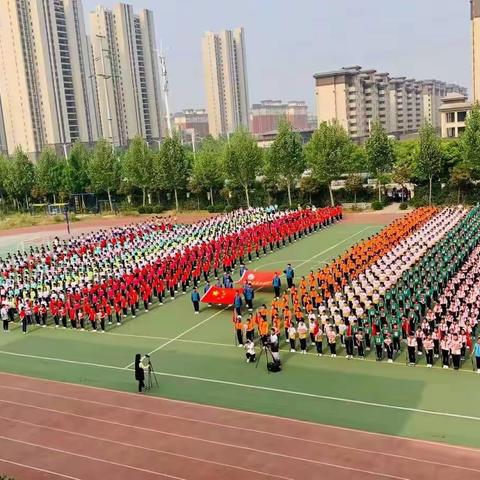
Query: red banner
pixel 223 296
pixel 258 279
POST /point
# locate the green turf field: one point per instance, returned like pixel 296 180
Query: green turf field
pixel 196 360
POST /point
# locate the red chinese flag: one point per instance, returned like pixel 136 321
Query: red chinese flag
pixel 223 296
pixel 256 278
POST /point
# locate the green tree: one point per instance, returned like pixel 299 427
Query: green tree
pixel 76 178
pixel 354 185
pixel 402 173
pixel 242 161
pixel 207 174
pixel 460 177
pixel 430 158
pixel 137 166
pixel 470 140
pixel 103 170
pixel 328 154
pixel 4 166
pixel 286 157
pixel 49 174
pixel 173 166
pixel 379 154
pixel 20 178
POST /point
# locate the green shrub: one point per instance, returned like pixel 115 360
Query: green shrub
pixel 376 205
pixel 148 209
pixel 141 209
pixel 403 206
pixel 216 208
pixel 157 209
pixel 417 202
pixel 229 208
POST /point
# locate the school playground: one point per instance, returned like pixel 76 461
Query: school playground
pixel 303 422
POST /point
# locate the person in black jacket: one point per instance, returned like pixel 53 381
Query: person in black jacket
pixel 139 373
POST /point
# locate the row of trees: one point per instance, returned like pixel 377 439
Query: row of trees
pixel 238 164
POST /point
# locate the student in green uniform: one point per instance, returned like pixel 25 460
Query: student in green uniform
pixel 378 341
pixel 367 332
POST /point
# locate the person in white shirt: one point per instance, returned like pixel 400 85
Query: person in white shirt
pixel 250 351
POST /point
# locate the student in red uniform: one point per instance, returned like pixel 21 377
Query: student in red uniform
pixel 23 319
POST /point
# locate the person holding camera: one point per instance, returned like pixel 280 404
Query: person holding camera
pixel 274 345
pixel 139 373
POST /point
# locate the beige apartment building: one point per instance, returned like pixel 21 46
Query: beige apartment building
pixel 226 85
pixel 454 111
pixel 46 89
pixel 475 19
pixel 126 70
pixel 356 97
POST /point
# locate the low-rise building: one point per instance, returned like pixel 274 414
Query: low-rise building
pixel 453 112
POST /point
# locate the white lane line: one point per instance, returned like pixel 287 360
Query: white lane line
pixel 163 345
pixel 192 420
pixel 37 469
pixel 219 444
pixel 90 458
pixel 271 389
pixel 228 409
pixel 132 445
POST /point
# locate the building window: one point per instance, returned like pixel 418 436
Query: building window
pixel 460 130
pixel 451 132
pixel 461 116
pixel 450 117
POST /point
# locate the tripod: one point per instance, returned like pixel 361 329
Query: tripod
pixel 151 376
pixel 266 349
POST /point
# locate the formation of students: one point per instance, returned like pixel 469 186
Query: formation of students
pixel 98 279
pixel 412 293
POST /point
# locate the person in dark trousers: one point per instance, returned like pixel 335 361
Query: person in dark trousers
pixel 249 294
pixel 289 275
pixel 24 320
pixel 411 346
pixel 196 301
pixel 237 303
pixel 139 373
pixel 5 318
pixel 276 282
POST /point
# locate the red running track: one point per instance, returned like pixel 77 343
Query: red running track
pixel 53 430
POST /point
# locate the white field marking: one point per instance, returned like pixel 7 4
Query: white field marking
pixel 213 442
pixel 286 348
pixel 90 458
pixel 62 360
pixel 267 389
pixel 199 324
pixel 49 472
pixel 132 445
pixel 224 409
pixel 205 422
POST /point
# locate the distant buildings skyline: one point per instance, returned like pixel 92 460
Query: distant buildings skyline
pixel 126 69
pixel 225 81
pixel 355 97
pixel 69 83
pixel 47 97
pixel 266 115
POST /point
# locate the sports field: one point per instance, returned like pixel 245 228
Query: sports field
pixel 196 360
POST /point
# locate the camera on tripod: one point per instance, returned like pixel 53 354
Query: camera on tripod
pixel 149 370
pixel 270 346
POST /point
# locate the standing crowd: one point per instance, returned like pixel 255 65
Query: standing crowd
pixel 100 278
pixel 421 287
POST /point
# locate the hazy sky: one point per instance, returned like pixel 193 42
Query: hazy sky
pixel 289 40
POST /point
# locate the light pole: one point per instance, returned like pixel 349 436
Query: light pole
pixel 105 88
pixel 163 72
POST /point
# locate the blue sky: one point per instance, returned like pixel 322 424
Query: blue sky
pixel 289 40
